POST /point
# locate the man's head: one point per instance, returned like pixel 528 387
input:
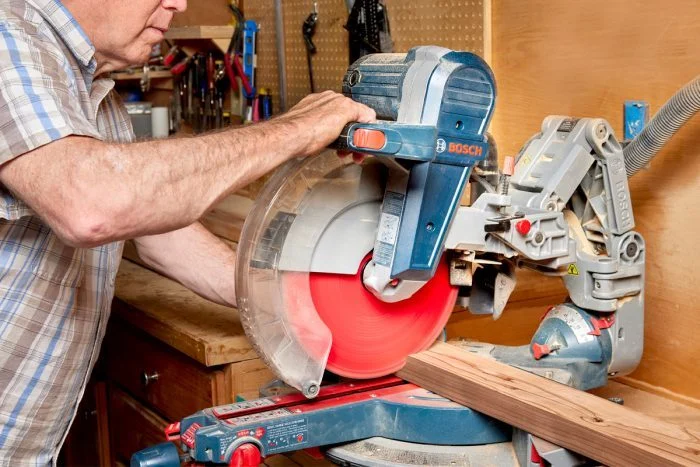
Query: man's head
pixel 124 31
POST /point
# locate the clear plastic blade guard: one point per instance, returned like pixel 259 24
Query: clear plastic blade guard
pixel 281 322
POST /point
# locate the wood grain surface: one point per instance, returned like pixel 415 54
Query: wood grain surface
pixel 587 424
pixel 211 334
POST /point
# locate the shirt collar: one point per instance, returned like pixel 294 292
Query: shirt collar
pixel 68 30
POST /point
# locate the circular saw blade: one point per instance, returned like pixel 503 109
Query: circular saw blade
pixel 300 293
pixel 372 338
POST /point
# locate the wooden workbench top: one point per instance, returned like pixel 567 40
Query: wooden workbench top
pixel 211 334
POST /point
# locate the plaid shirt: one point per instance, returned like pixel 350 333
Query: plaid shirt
pixel 54 299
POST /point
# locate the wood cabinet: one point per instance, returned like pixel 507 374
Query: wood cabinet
pixel 169 382
pixel 132 426
pixel 87 443
pixel 167 353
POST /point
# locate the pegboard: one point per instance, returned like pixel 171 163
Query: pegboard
pixel 331 39
pixel 456 24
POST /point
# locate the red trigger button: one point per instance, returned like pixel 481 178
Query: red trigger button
pixel 365 138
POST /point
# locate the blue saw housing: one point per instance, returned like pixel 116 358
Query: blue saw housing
pixel 438 136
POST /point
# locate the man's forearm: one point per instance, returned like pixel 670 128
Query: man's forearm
pixel 194 257
pixel 90 192
pixel 120 191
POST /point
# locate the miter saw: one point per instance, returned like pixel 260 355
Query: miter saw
pixel 348 268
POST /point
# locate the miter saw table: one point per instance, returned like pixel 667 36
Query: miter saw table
pixel 396 423
pixel 348 268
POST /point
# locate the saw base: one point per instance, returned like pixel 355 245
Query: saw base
pixel 383 452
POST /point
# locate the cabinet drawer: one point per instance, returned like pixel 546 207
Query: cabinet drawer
pixel 171 383
pixel 132 427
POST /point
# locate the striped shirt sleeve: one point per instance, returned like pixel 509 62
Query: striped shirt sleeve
pixel 38 105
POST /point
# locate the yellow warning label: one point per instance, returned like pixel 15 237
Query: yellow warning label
pixel 572 270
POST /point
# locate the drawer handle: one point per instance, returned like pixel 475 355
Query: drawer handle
pixel 147 379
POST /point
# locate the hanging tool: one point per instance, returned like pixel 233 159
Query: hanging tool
pixel 146 78
pixel 308 30
pixel 203 91
pixel 221 84
pixel 239 59
pixel 171 57
pixel 210 107
pixel 250 31
pixel 265 104
pixel 368 28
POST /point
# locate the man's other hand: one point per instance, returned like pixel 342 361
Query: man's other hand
pixel 325 115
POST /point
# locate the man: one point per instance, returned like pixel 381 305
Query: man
pixel 73 187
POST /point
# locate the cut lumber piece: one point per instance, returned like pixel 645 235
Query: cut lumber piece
pixel 582 422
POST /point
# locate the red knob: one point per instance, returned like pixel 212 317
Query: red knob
pixel 246 455
pixel 523 227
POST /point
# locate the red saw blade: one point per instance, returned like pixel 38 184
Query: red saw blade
pixel 372 338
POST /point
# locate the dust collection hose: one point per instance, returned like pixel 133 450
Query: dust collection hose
pixel 670 118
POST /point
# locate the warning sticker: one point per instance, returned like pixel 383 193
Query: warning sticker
pixel 393 203
pixel 572 270
pixel 290 433
pixel 227 410
pixel 575 321
pixel 388 228
pixel 567 125
pixel 258 417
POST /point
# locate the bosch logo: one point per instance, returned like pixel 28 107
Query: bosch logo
pixel 441 145
pixel 466 149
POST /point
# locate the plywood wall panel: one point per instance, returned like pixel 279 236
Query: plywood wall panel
pixel 455 24
pixel 585 59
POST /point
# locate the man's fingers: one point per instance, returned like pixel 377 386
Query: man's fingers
pixel 365 114
pixel 358 157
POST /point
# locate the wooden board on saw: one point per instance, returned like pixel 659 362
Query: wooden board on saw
pixel 585 59
pixel 211 334
pixel 457 24
pixel 586 424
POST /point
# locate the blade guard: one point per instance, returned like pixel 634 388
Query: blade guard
pixel 296 348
